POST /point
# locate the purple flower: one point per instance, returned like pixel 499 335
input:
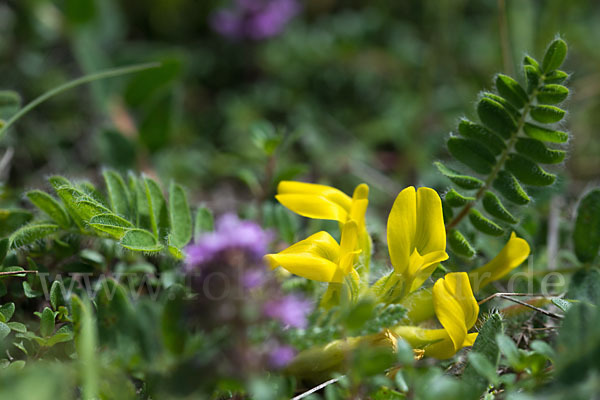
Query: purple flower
pixel 290 310
pixel 281 355
pixel 254 19
pixel 230 234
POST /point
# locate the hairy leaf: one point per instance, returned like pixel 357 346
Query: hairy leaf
pixel 544 134
pixel 511 90
pixel 472 154
pixel 30 233
pixel 555 55
pixel 528 172
pixel 510 189
pixel 140 240
pixel 484 224
pixel 471 130
pixel 496 117
pixel 455 199
pixel 112 224
pixel 157 207
pixel 181 217
pixel 556 76
pixel 50 206
pixel 47 322
pixel 547 114
pixel 494 207
pixel 538 152
pixel 586 234
pixel 486 346
pixel 461 180
pixel 459 244
pixel 118 194
pixel 552 94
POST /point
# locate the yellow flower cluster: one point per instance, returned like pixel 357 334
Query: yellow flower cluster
pixel 416 237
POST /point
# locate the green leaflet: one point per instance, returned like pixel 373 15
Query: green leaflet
pixel 554 56
pixel 57 295
pixel 547 114
pixel 586 233
pixel 538 152
pixel 111 224
pixel 532 75
pixel 459 244
pixel 50 206
pixel 47 322
pixel 544 134
pixel 496 117
pixel 30 233
pixel 484 224
pixel 494 207
pixel 510 189
pixel 69 196
pixel 471 130
pixel 512 110
pixel 557 76
pixel 472 154
pixel 118 194
pixel 204 222
pixel 461 180
pixel 511 90
pixel 528 172
pixel 88 208
pixel 486 346
pixel 455 199
pixel 157 207
pixel 552 94
pixel 181 217
pixel 140 240
pixel 92 193
pixel 58 181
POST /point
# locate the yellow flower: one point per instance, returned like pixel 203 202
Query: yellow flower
pixel 510 257
pixel 456 310
pixel 325 202
pixel 419 304
pixel 416 241
pixel 319 257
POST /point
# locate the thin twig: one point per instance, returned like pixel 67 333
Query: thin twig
pixel 11 273
pixel 317 388
pixel 505 297
pixel 71 84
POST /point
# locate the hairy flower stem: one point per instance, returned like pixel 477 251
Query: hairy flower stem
pixel 500 163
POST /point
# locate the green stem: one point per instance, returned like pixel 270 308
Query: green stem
pixel 488 182
pixel 71 84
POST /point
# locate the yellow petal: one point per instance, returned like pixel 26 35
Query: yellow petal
pixel 420 337
pixel 421 267
pixel 313 189
pixel 312 206
pixel 430 234
pixel 435 342
pixel 511 256
pixel 455 306
pixel 306 266
pixel 401 228
pixel 320 244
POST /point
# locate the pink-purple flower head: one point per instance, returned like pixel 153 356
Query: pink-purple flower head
pixel 230 234
pixel 290 310
pixel 281 355
pixel 254 19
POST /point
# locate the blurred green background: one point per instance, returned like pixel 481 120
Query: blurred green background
pixel 361 90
